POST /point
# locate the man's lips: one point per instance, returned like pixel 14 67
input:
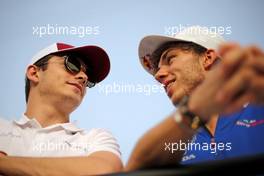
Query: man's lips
pixel 169 91
pixel 168 87
pixel 80 87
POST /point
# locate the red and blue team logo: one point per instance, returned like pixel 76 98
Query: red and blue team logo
pixel 249 123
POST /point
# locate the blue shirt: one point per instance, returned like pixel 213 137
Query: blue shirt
pixel 238 134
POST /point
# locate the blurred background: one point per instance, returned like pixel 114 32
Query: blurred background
pixel 129 101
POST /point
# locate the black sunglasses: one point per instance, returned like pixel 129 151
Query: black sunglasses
pixel 74 64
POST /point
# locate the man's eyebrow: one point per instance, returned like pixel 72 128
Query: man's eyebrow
pixel 164 56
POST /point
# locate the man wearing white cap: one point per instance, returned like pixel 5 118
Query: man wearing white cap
pixel 220 111
pixel 44 141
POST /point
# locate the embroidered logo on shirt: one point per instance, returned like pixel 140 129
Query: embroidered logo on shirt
pixel 188 157
pixel 249 123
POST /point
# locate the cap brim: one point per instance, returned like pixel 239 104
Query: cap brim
pixel 95 57
pixel 151 43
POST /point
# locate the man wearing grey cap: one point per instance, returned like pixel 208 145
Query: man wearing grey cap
pixel 44 141
pixel 217 88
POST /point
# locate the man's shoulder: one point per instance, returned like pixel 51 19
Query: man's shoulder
pixel 100 139
pixel 98 132
pixel 254 107
pixel 252 111
pixel 99 136
pixel 248 111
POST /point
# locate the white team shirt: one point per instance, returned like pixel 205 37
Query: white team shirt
pixel 26 137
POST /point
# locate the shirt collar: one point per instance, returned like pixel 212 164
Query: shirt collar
pixel 33 123
pixel 72 127
pixel 25 121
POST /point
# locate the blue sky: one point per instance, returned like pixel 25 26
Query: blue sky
pixel 117 26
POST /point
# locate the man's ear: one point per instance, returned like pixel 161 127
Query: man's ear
pixel 210 58
pixel 32 73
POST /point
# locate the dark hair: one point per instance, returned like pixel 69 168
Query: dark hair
pixel 42 65
pixel 186 46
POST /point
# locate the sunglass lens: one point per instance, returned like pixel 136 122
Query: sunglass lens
pixel 73 65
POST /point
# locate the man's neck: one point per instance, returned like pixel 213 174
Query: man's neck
pixel 211 124
pixel 46 114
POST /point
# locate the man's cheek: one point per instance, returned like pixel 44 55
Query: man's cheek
pixel 84 91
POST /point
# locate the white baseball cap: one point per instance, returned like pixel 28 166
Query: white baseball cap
pixel 94 56
pixel 195 34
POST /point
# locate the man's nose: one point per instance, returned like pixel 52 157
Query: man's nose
pixel 162 74
pixel 82 77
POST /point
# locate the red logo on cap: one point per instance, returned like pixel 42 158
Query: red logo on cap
pixel 62 46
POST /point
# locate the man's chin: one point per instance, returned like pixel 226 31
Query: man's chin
pixel 73 98
pixel 175 102
pixel 176 97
